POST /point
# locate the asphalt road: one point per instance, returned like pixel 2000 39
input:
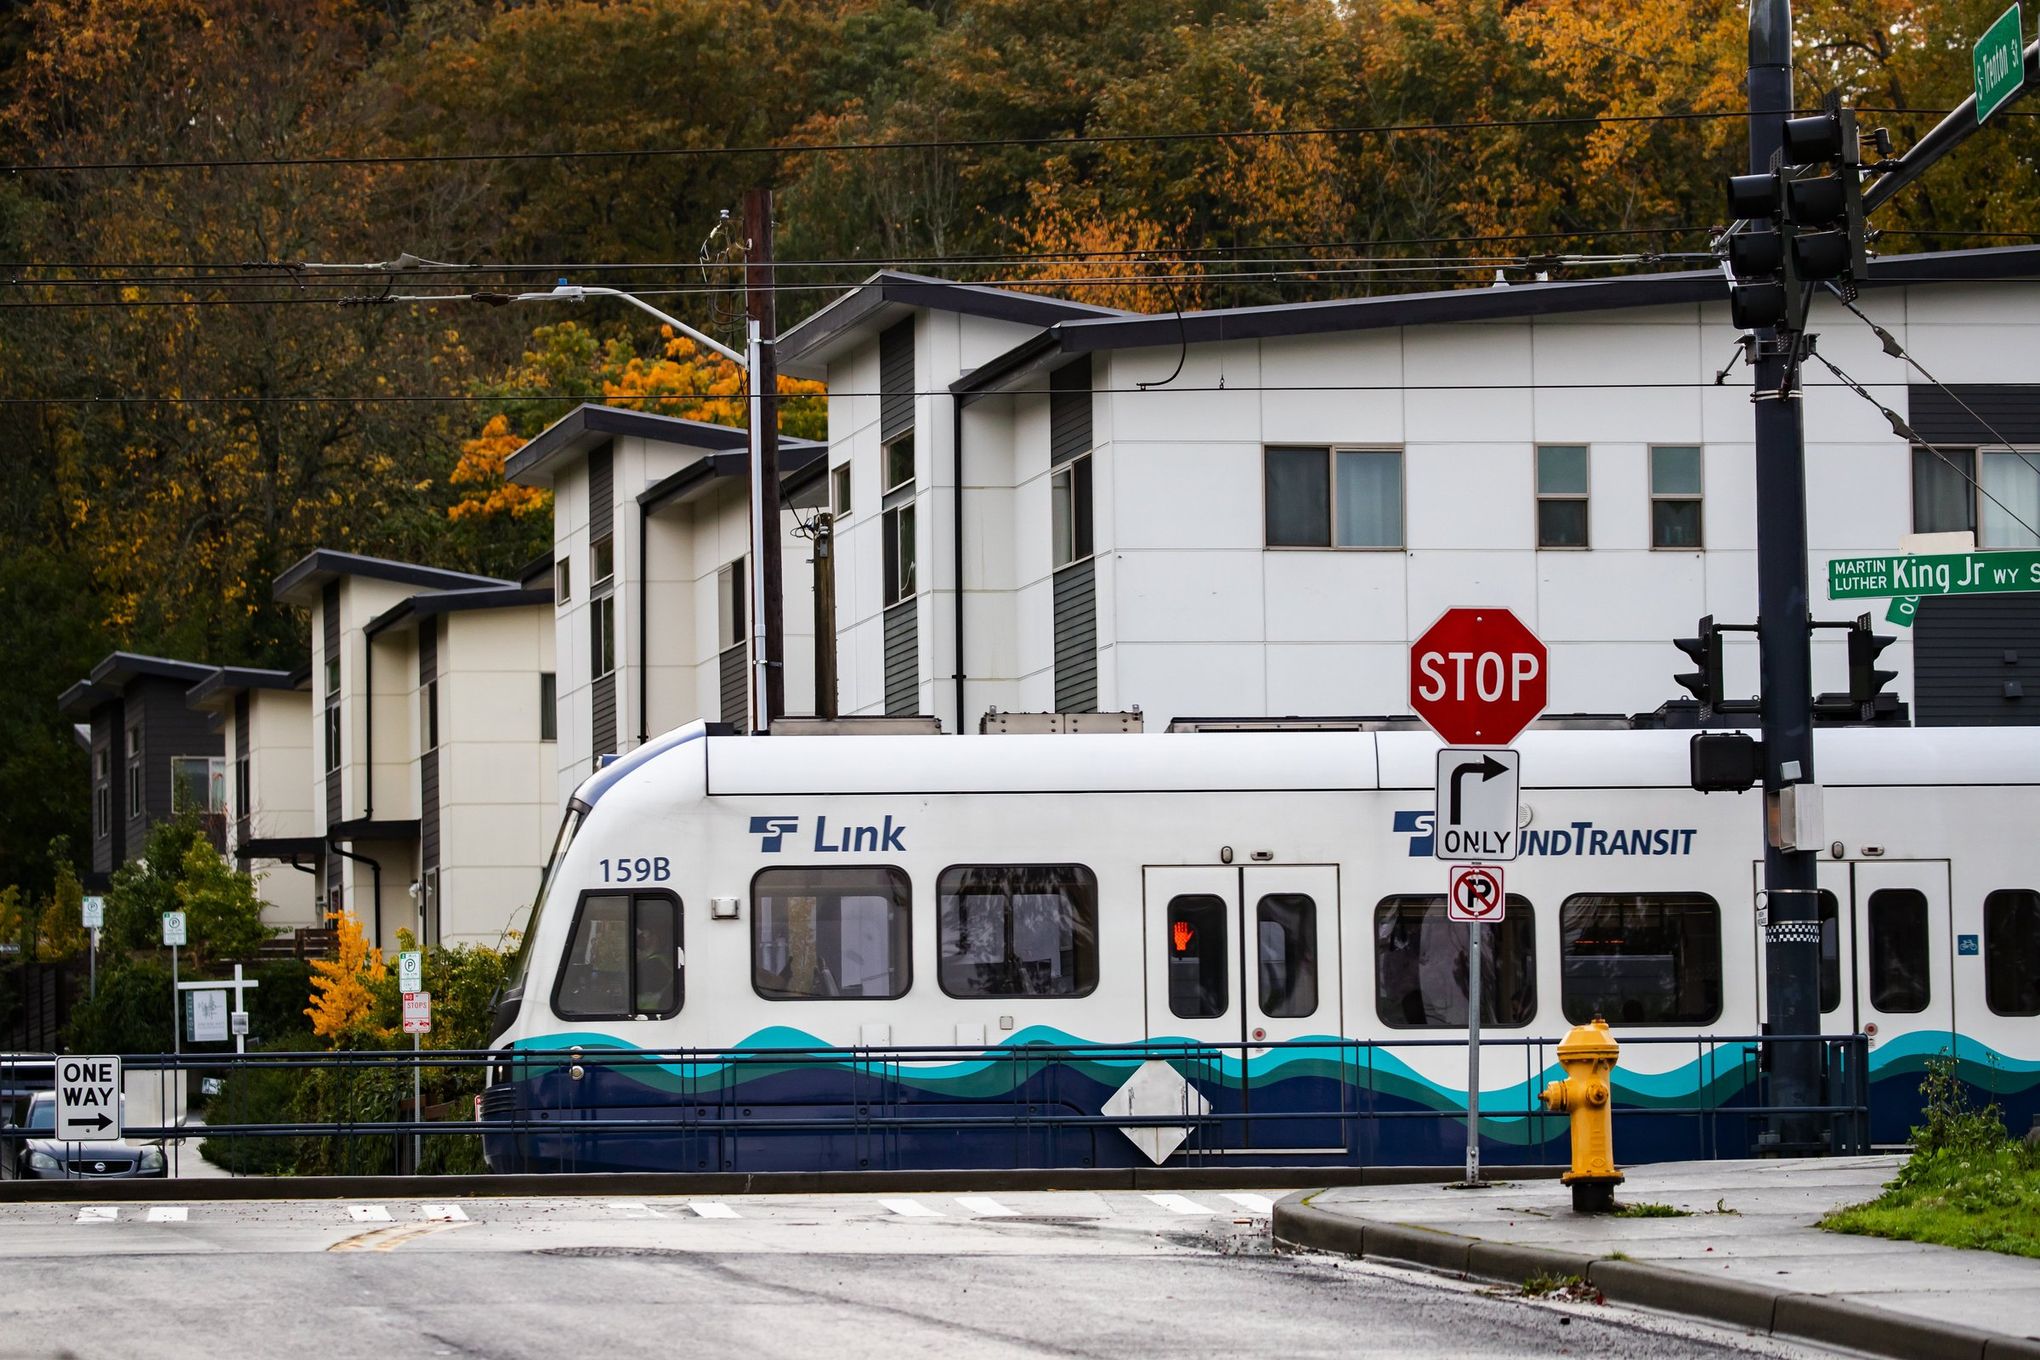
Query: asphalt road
pixel 1107 1275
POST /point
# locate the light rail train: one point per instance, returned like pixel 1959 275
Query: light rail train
pixel 1024 937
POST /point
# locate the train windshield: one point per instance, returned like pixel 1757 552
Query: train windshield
pixel 570 825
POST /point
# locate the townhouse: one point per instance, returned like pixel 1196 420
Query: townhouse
pixel 264 718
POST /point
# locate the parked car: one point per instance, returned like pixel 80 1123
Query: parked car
pixel 45 1157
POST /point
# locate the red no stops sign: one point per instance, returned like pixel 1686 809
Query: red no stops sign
pixel 1477 676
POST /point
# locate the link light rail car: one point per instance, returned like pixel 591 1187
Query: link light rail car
pixel 1263 911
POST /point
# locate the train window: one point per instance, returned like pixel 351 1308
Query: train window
pixel 1898 951
pixel 1830 953
pixel 1420 965
pixel 2011 952
pixel 1017 930
pixel 624 960
pixel 1285 925
pixel 831 934
pixel 1640 958
pixel 1197 956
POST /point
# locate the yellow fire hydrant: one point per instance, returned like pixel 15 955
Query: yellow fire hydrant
pixel 1588 1056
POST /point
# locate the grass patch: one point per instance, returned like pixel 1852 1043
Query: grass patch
pixel 1573 1288
pixel 1967 1184
pixel 1648 1210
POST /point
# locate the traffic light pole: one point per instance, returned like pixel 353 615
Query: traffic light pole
pixel 1792 932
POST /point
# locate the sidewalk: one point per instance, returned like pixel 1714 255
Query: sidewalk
pixel 1764 1266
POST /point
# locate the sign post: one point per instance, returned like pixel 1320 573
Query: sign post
pixel 218 1021
pixel 173 935
pixel 417 1021
pixel 1478 677
pixel 2000 59
pixel 94 912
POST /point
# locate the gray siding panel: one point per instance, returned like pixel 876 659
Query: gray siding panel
pixel 896 379
pixel 243 814
pixel 1069 412
pixel 736 698
pixel 1076 638
pixel 428 763
pixel 605 714
pixel 329 609
pixel 1968 652
pixel 2011 409
pixel 170 729
pixel 902 660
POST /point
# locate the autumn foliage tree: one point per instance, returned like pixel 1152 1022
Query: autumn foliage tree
pixel 344 987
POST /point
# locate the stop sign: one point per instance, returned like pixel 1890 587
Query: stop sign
pixel 1477 676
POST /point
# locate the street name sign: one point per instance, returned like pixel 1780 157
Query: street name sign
pixel 1901 574
pixel 1478 793
pixel 1477 676
pixel 1473 894
pixel 2000 57
pixel 88 1100
pixel 417 1012
pixel 94 910
pixel 173 928
pixel 410 970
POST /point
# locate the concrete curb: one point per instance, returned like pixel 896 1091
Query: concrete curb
pixel 1820 1318
pixel 441 1188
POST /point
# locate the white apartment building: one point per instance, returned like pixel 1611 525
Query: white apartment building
pixel 431 724
pixel 265 722
pixel 1251 512
pixel 651 588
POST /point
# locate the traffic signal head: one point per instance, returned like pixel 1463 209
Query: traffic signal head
pixel 1823 213
pixel 1704 682
pixel 1866 680
pixel 1817 137
pixel 1752 197
pixel 1758 288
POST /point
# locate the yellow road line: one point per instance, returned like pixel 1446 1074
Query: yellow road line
pixel 389 1239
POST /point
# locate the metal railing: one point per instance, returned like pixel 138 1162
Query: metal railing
pixel 1345 1100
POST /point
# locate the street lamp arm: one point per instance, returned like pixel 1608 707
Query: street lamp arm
pixel 570 292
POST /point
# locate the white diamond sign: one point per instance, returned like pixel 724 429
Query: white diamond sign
pixel 1156 1091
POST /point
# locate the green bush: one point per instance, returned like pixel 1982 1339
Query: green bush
pixel 130 1014
pixel 259 1095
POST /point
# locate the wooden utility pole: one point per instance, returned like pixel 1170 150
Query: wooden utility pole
pixel 825 615
pixel 764 379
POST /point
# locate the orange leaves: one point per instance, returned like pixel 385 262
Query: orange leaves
pixel 342 1002
pixel 481 469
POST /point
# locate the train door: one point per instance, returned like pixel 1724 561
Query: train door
pixel 1904 954
pixel 1246 958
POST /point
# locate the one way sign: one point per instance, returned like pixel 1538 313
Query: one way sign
pixel 88 1100
pixel 1478 789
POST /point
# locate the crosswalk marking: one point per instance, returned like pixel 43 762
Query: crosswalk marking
pixel 983 1207
pixel 169 1213
pixel 98 1213
pixel 633 1209
pixel 709 1208
pixel 450 1213
pixel 1260 1204
pixel 908 1208
pixel 1179 1204
pixel 368 1213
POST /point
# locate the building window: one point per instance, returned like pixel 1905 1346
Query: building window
pixel 602 636
pixel 2011 952
pixel 1017 930
pixel 1333 498
pixel 899 461
pixel 1285 944
pixel 623 959
pixel 831 934
pixel 1898 962
pixel 1069 497
pixel 1640 958
pixel 134 771
pixel 899 553
pixel 1199 961
pixel 563 580
pixel 102 792
pixel 430 698
pixel 244 796
pixel 729 606
pixel 1675 496
pixel 2008 509
pixel 332 732
pixel 198 784
pixel 839 490
pixel 548 706
pixel 1561 495
pixel 1944 491
pixel 601 561
pixel 1420 965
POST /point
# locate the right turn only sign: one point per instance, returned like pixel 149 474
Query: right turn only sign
pixel 1478 793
